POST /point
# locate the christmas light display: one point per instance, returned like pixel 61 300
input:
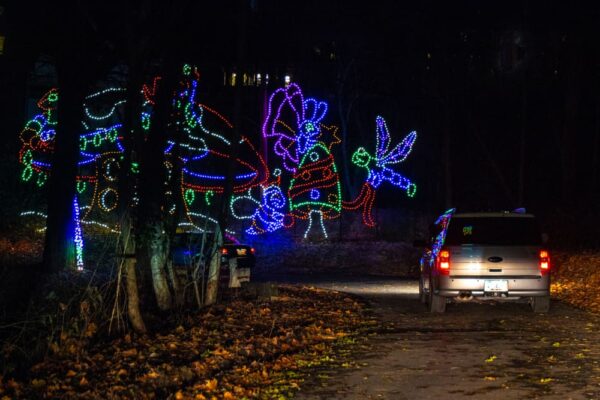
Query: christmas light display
pixel 268 215
pixel 205 152
pixel 378 170
pixel 288 104
pixel 315 189
pixel 303 186
pixel 295 124
pixel 77 235
pixel 101 150
pixel 207 196
pixel 38 140
pixel 443 221
pixel 295 127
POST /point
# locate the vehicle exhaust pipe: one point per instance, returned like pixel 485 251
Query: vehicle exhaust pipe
pixel 464 296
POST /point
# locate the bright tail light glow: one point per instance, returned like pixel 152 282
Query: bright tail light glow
pixel 252 250
pixel 224 251
pixel 443 262
pixel 544 261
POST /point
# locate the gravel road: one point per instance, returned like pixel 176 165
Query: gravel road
pixel 492 351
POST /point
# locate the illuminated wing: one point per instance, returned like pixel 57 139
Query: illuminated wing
pixel 285 112
pixel 315 110
pixel 284 116
pixel 383 138
pixel 401 151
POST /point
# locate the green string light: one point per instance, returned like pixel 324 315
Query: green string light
pixel 81 186
pixel 207 196
pixel 189 196
pixel 41 179
pixel 27 173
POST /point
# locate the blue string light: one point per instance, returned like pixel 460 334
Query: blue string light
pixel 77 236
pixel 267 215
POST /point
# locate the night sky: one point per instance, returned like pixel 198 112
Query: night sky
pixel 505 95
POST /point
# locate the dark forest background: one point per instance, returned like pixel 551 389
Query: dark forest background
pixel 505 96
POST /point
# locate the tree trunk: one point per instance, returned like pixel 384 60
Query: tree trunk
pixel 127 183
pixel 133 299
pixel 344 115
pixel 156 249
pixel 152 241
pixel 568 138
pixel 59 248
pixel 215 263
pixel 212 286
pixel 596 152
pixel 492 162
pixel 522 147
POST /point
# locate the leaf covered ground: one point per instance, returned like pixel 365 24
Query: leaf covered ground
pixel 241 349
pixel 576 279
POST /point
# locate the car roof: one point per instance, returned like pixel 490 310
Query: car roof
pixel 506 214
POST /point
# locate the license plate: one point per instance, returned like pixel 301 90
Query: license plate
pixel 241 252
pixel 495 286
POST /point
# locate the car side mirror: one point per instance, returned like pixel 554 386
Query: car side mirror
pixel 420 243
pixel 545 238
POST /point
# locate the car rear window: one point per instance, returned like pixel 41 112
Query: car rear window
pixel 505 231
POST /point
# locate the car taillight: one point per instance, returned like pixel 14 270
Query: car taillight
pixel 224 251
pixel 252 250
pixel 443 262
pixel 544 261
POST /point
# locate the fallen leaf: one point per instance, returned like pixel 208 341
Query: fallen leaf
pixel 38 383
pixel 490 359
pixel 211 384
pixel 91 329
pixel 130 353
pixel 152 375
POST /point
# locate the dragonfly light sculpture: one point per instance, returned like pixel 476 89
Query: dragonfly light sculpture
pixel 379 171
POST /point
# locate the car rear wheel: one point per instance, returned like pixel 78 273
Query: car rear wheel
pixel 540 304
pixel 422 293
pixel 437 304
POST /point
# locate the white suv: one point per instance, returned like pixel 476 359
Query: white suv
pixel 482 256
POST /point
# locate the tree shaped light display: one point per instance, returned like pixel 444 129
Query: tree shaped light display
pixel 204 153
